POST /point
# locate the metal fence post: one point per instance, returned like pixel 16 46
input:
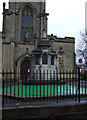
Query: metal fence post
pixel 57 84
pixel 40 84
pixel 79 85
pixel 3 88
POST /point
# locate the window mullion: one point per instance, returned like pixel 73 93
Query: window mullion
pixel 28 23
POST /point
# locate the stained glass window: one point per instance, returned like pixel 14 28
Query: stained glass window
pixel 31 20
pixel 27 24
pixel 22 33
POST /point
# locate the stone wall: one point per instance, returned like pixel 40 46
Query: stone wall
pixel 68 47
pixel 13 47
pixel 12 20
pixel 20 50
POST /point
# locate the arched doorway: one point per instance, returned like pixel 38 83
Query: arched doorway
pixel 24 70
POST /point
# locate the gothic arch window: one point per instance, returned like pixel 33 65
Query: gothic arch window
pixel 44 59
pixel 27 20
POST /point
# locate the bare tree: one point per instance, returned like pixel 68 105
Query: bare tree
pixel 82 46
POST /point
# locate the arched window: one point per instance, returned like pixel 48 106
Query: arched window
pixel 44 59
pixel 27 18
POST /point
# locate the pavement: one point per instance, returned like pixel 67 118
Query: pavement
pixel 64 110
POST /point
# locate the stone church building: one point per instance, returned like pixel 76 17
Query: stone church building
pixel 23 37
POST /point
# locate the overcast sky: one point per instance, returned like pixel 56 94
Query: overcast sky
pixel 66 17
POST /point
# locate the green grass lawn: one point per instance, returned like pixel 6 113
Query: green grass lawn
pixel 41 90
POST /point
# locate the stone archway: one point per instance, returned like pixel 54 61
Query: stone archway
pixel 24 69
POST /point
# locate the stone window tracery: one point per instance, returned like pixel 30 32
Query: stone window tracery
pixel 27 18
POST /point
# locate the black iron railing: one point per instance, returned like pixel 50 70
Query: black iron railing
pixel 43 86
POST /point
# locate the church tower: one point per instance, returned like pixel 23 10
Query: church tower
pixel 20 22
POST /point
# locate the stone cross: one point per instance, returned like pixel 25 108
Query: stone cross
pixel 44 30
